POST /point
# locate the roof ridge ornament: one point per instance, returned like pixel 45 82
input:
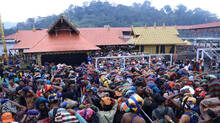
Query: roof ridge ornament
pixel 34 29
pixel 155 25
pixel 164 26
pixel 108 27
pixel 64 15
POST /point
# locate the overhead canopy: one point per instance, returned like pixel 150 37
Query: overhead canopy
pixel 155 36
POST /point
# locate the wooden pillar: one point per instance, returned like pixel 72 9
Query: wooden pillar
pixel 159 49
pixel 39 59
pixel 174 49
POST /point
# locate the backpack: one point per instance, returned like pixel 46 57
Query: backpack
pixel 193 117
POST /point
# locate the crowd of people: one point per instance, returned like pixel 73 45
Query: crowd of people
pixel 114 92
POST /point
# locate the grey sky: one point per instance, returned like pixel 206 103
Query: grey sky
pixel 20 10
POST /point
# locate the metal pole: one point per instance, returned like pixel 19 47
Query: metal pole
pixel 197 54
pixel 171 59
pixel 3 40
pixel 149 60
pixel 124 62
pixel 202 54
pixel 96 62
pixel 147 116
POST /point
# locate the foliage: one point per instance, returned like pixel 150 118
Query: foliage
pixel 98 14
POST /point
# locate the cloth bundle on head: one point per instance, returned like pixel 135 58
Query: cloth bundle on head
pixel 129 91
pixel 212 77
pixel 68 103
pixel 40 100
pixel 203 82
pixel 32 115
pixel 135 102
pixel 199 89
pixel 26 88
pixel 171 84
pixel 86 113
pixel 148 91
pixel 188 101
pixel 16 80
pixel 91 88
pixel 187 89
pixel 46 88
pixel 54 97
pixel 124 107
pixel 7 117
pixel 154 87
pixel 65 117
pixel 202 94
pixel 188 95
pixel 107 103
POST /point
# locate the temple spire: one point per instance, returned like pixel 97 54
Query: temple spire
pixel 64 15
pixel 108 27
pixel 132 26
pixel 155 25
pixel 164 26
pixel 34 29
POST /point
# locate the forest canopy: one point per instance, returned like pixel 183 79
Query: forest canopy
pixel 98 14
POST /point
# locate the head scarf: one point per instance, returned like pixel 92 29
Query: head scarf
pixel 135 102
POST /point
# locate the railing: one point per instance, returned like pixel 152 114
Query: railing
pixel 124 58
pixel 199 35
pixel 210 52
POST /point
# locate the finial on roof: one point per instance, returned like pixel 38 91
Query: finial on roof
pixel 164 26
pixel 64 16
pixel 34 29
pixel 108 27
pixel 155 25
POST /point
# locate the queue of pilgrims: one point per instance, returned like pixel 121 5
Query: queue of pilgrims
pixel 112 93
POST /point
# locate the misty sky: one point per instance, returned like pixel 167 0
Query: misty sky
pixel 20 10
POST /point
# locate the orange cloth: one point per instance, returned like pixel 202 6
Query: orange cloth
pixel 7 117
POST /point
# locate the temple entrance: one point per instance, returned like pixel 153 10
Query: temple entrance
pixel 69 59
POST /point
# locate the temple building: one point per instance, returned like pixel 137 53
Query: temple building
pixel 155 40
pixel 64 43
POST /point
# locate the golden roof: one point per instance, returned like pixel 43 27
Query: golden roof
pixel 155 35
pixel 186 42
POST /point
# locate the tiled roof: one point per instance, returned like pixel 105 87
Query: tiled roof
pixel 199 26
pixel 96 36
pixel 27 38
pixel 154 36
pixel 63 42
pixel 104 36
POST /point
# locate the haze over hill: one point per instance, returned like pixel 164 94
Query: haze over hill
pixel 98 14
pixel 8 25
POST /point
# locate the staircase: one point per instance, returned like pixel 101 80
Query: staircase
pixel 212 53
